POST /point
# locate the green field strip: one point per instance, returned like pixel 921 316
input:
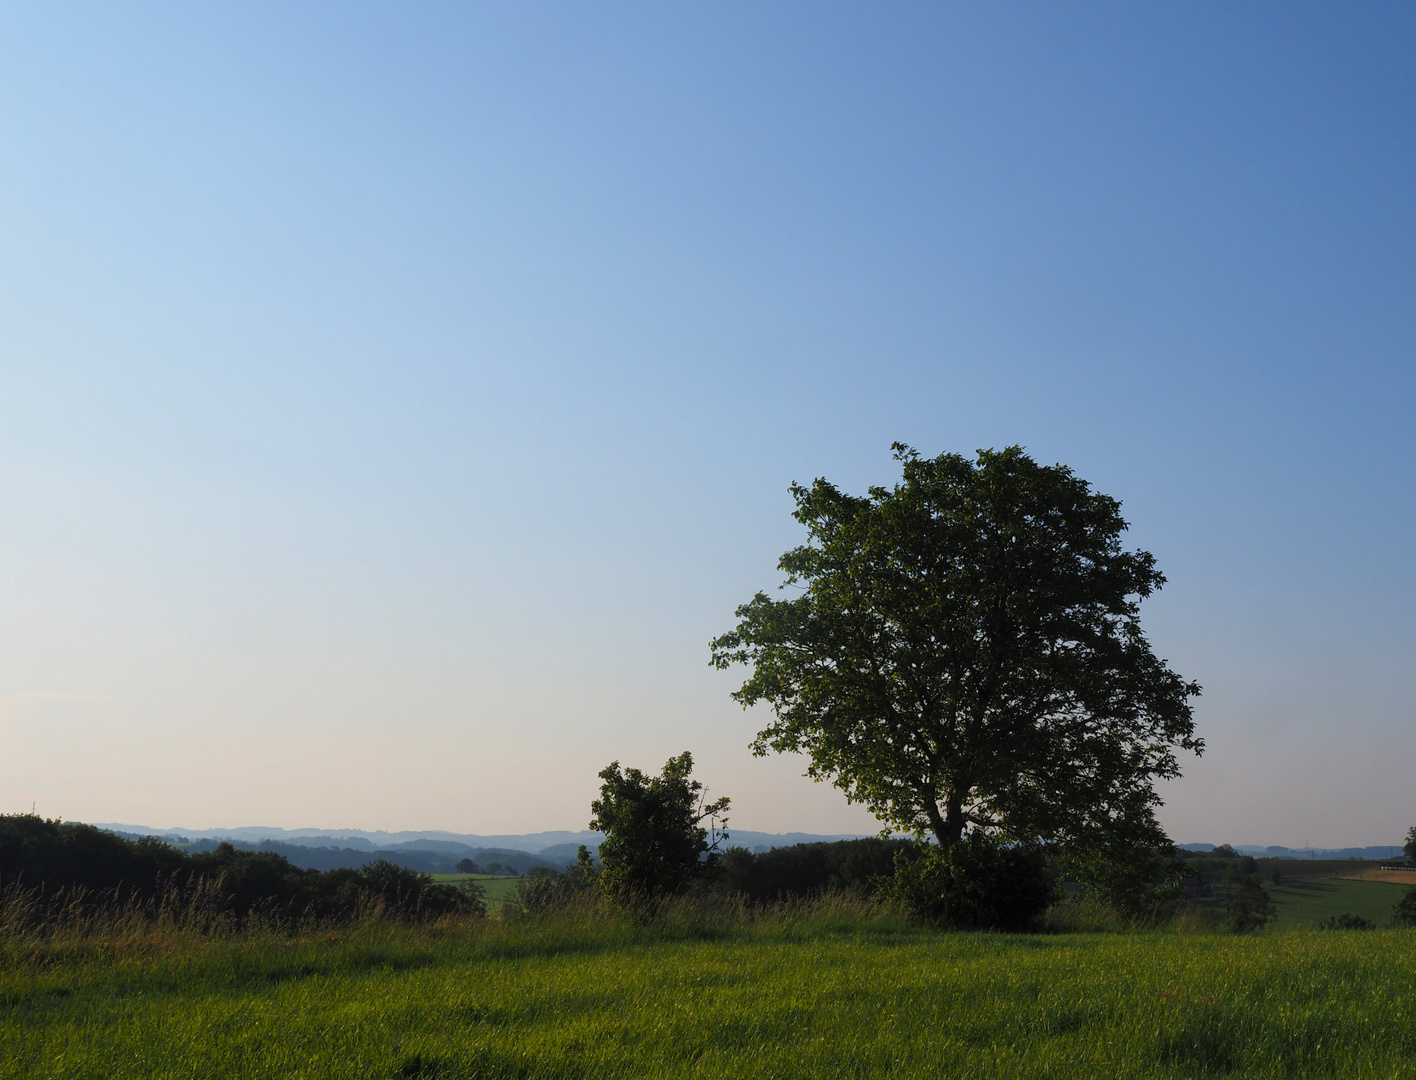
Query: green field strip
pixel 1306 903
pixel 495 887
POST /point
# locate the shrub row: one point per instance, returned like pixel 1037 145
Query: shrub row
pixel 977 884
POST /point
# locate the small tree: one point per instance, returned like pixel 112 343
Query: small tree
pixel 1249 905
pixel 655 841
pixel 467 866
pixel 1410 847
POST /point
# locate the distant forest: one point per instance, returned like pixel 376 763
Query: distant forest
pixel 424 856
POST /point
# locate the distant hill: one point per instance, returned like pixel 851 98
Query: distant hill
pixel 557 849
pixel 362 839
pixel 316 857
pixel 1384 851
pixel 432 852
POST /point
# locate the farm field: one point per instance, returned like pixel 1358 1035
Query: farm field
pixel 818 995
pixel 1396 877
pixel 1306 903
pixel 1315 868
pixel 495 887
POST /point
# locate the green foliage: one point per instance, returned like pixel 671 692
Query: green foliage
pixel 1346 921
pixel 1410 847
pixel 975 884
pixel 1141 881
pixel 247 883
pixel 966 652
pixel 1247 903
pixel 1403 913
pixel 655 842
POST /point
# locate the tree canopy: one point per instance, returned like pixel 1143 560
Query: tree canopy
pixel 965 653
pixel 654 835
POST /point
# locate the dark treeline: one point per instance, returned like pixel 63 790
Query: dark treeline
pixel 1208 869
pixel 988 887
pixel 802 870
pixel 89 868
pixel 347 858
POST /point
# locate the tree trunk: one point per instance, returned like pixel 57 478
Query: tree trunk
pixel 948 827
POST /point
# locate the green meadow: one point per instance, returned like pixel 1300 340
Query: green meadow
pixel 1306 903
pixel 823 990
pixel 495 887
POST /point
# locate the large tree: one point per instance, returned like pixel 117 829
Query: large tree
pixel 966 653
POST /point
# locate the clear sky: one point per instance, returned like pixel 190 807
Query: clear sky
pixel 395 399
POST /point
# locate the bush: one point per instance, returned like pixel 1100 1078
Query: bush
pixel 1346 921
pixel 976 884
pixel 543 891
pixel 244 883
pixel 1141 880
pixel 409 894
pixel 1404 912
pixel 247 883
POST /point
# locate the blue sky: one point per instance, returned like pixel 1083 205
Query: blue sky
pixel 395 401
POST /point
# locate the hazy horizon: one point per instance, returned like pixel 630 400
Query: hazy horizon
pixel 394 402
pixel 335 833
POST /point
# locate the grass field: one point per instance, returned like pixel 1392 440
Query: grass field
pixel 823 994
pixel 1306 903
pixel 495 887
